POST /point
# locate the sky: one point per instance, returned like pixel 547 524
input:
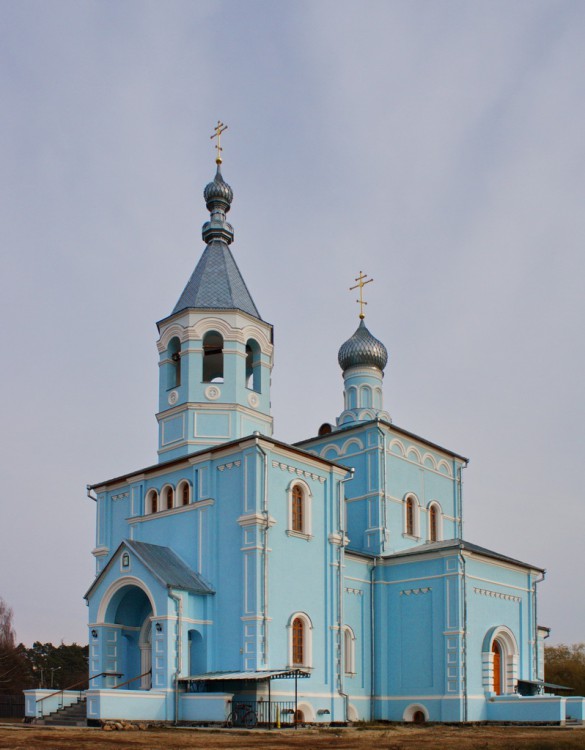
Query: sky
pixel 436 146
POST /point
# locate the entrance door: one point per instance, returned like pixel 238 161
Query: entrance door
pixel 497 652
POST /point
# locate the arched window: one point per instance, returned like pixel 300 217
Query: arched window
pixel 300 645
pixel 213 357
pixel 168 498
pixel 184 493
pixel 349 650
pixel 435 523
pixel 174 369
pixel 253 365
pixel 411 516
pixel 299 509
pixel 152 501
pixel 298 638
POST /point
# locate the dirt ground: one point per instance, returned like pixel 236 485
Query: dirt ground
pixel 382 737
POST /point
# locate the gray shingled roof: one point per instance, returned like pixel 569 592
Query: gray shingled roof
pixel 216 283
pixel 166 566
pixel 457 544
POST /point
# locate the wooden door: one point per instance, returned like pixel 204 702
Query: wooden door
pixel 497 652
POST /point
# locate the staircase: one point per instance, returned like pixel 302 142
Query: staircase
pixel 70 716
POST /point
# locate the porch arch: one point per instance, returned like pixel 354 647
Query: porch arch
pixel 500 661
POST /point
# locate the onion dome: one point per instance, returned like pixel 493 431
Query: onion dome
pixel 218 197
pixel 362 350
pixel 218 192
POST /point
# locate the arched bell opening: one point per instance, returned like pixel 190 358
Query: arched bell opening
pixel 253 365
pixel 174 369
pixel 213 357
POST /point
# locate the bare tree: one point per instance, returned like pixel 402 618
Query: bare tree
pixel 7 636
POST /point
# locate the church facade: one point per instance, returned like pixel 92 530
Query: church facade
pixel 330 575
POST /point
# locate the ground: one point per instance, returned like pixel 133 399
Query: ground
pixel 382 737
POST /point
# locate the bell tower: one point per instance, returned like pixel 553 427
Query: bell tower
pixel 215 349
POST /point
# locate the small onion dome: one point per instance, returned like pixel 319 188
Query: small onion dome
pixel 362 350
pixel 218 191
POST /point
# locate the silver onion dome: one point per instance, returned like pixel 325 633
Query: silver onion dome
pixel 218 191
pixel 362 350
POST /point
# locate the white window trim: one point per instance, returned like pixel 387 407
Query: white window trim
pixel 306 533
pixel 307 640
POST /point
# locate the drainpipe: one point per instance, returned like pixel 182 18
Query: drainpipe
pixel 265 556
pixel 384 509
pixel 460 496
pixel 341 558
pixel 89 488
pixel 372 641
pixel 535 609
pixel 179 603
pixel 464 649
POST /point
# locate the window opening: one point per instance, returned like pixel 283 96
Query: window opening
pixel 410 516
pixel 213 357
pixel 434 523
pixel 297 641
pixel 169 498
pixel 297 509
pixel 185 494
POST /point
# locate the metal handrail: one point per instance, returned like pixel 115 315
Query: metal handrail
pixel 74 685
pixel 132 679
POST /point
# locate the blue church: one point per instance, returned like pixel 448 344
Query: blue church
pixel 323 581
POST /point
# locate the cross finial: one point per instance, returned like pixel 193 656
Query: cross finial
pixel 219 128
pixel 360 285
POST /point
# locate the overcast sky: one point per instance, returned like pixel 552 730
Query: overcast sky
pixel 437 146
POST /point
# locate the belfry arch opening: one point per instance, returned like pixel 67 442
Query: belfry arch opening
pixel 253 365
pixel 213 357
pixel 174 370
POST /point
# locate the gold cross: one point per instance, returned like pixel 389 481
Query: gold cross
pixel 219 128
pixel 360 285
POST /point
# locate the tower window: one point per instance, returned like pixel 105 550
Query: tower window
pixel 213 357
pixel 253 365
pixel 174 352
pixel 169 498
